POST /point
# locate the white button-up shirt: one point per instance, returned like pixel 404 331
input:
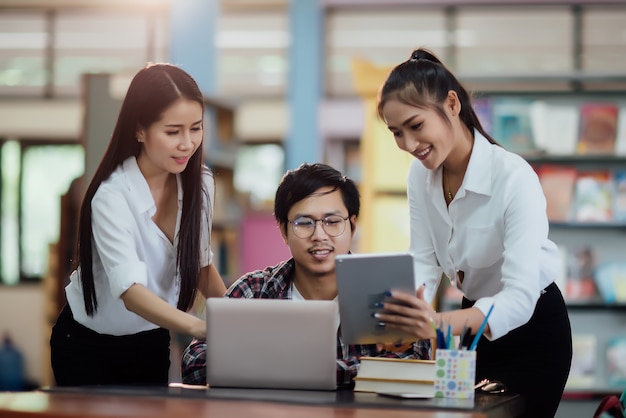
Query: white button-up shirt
pixel 495 231
pixel 129 248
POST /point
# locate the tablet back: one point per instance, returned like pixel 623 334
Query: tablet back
pixel 362 280
pixel 271 343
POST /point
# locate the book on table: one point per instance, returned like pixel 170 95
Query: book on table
pixel 380 374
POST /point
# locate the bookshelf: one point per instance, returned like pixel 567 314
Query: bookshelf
pixel 220 155
pixel 248 166
pixel 553 123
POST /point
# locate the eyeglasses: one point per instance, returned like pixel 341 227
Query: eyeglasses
pixel 304 227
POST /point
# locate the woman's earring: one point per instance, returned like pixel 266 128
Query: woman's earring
pixel 138 140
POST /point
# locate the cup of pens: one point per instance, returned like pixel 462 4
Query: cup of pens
pixel 455 367
pixel 455 371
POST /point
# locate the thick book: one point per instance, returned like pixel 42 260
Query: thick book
pixel 380 374
pixel 598 128
pixel 391 386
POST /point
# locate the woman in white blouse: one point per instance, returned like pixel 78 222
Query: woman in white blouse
pixel 143 241
pixel 478 215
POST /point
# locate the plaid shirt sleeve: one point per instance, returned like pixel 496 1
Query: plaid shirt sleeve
pixel 193 363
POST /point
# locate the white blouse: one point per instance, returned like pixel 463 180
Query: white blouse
pixel 129 248
pixel 495 231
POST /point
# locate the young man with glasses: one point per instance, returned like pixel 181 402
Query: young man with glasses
pixel 316 208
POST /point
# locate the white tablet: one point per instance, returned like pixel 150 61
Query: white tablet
pixel 362 280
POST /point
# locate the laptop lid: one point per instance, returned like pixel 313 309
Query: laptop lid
pixel 271 343
pixel 362 280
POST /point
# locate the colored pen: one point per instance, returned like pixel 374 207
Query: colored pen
pixel 481 329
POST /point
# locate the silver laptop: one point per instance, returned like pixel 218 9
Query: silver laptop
pixel 271 343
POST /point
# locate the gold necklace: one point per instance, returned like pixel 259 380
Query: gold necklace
pixel 447 192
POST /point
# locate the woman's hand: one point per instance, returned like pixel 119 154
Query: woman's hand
pixel 408 313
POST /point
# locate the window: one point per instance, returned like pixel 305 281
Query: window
pixel 88 42
pixel 501 40
pixel 604 40
pixel 34 177
pixel 384 37
pixel 23 38
pixel 44 52
pixel 252 53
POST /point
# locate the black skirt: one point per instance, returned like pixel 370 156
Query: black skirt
pixel 81 356
pixel 533 360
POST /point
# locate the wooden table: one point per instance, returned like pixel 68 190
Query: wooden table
pixel 180 402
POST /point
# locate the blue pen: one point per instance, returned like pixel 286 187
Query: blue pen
pixel 481 329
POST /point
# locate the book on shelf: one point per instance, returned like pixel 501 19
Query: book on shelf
pixel 584 361
pixel 619 196
pixel 610 279
pixel 558 183
pixel 512 126
pixel 555 127
pixel 597 128
pixel 580 282
pixel 593 196
pixel 380 374
pixel 616 362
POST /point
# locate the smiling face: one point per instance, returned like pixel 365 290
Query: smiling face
pixel 421 132
pixel 169 143
pixel 315 256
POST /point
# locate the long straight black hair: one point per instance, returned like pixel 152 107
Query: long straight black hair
pixel 153 89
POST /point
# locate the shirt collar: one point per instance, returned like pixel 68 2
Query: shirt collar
pixel 138 186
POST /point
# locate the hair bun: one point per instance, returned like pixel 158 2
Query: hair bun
pixel 423 54
pixel 416 55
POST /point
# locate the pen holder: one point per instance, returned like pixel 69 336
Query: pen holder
pixel 455 371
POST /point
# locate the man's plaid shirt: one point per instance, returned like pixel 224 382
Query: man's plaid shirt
pixel 275 283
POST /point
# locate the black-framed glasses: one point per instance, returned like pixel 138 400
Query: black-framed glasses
pixel 333 225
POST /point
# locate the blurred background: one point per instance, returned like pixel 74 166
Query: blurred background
pixel 285 81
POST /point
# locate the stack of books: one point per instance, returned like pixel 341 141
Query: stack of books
pixel 385 375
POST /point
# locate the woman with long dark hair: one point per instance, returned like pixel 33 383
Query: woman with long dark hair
pixel 478 215
pixel 143 248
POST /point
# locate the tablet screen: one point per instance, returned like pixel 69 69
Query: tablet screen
pixel 362 280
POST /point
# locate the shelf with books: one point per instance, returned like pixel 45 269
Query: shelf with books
pixel 598 365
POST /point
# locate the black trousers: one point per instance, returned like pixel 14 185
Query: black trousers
pixel 533 360
pixel 81 356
